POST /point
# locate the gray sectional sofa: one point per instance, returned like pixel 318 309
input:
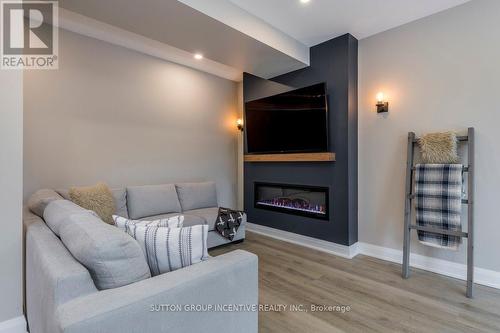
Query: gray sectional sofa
pixel 61 292
pixel 196 201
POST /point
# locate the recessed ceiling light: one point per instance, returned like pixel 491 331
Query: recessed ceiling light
pixel 198 56
pixel 305 1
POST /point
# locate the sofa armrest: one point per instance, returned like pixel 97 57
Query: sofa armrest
pixel 227 279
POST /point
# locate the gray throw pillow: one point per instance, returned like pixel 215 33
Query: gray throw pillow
pixel 197 195
pixel 113 258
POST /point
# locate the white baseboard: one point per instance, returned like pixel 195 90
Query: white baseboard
pixel 313 243
pixel 482 276
pixel 14 325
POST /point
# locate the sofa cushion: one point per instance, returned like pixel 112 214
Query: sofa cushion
pixel 97 198
pixel 197 195
pixel 189 220
pixel 152 200
pixel 209 215
pixel 168 249
pixel 119 194
pixel 57 212
pixel 112 258
pixel 40 199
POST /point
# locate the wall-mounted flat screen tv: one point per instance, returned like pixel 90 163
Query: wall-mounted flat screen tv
pixel 292 122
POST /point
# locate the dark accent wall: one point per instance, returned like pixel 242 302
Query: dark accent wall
pixel 334 62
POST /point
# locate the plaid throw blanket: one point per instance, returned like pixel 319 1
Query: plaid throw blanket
pixel 438 192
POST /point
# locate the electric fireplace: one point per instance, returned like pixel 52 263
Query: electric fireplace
pixel 304 200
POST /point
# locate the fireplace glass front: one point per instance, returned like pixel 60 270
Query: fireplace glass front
pixel 304 200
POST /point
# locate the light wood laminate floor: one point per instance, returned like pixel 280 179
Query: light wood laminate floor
pixel 379 299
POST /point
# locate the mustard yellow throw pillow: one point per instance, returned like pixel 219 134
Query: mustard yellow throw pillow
pixel 97 198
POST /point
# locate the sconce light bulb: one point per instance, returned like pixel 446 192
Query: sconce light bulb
pixel 239 124
pixel 380 97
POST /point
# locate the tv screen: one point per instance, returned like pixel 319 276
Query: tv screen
pixel 291 122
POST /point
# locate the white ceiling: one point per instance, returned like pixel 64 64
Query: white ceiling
pixel 321 20
pixel 263 37
pixel 181 26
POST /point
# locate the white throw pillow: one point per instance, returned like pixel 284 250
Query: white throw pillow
pixel 170 222
pixel 168 249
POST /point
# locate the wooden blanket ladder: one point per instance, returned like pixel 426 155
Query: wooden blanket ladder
pixel 408 226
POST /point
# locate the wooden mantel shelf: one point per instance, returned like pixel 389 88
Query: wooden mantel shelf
pixel 301 157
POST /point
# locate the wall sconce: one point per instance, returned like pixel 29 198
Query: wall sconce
pixel 382 105
pixel 239 124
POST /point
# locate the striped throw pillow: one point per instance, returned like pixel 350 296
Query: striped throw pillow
pixel 171 222
pixel 168 249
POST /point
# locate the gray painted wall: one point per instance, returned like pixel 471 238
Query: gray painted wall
pixel 441 72
pixel 11 187
pixel 114 115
